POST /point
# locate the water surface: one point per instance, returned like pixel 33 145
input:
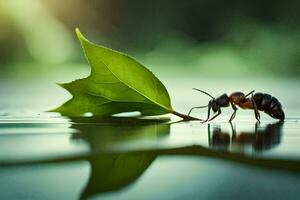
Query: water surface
pixel 47 156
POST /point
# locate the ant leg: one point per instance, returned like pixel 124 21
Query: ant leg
pixel 234 112
pixel 219 112
pixel 249 93
pixel 256 113
pixel 195 108
pixel 208 113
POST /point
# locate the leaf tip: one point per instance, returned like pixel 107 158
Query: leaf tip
pixel 77 31
pixel 79 35
pixel 63 85
pixel 59 84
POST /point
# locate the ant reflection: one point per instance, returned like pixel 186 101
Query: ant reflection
pixel 259 139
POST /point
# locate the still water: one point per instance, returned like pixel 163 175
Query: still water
pixel 51 157
pixel 47 156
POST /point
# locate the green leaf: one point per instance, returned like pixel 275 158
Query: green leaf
pixel 117 83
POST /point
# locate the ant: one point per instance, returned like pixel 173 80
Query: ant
pixel 258 102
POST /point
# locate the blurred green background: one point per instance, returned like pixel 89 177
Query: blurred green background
pixel 211 38
pixel 219 46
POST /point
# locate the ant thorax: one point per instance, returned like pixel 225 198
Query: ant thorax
pixel 223 100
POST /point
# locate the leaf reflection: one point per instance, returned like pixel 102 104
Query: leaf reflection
pixel 114 168
pixel 115 132
pixel 115 171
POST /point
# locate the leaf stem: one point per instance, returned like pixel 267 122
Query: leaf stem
pixel 183 116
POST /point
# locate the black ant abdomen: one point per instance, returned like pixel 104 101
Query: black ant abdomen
pixel 269 105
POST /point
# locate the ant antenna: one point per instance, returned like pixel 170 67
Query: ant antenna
pixel 204 92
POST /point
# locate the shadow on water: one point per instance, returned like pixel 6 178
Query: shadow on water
pixel 114 166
